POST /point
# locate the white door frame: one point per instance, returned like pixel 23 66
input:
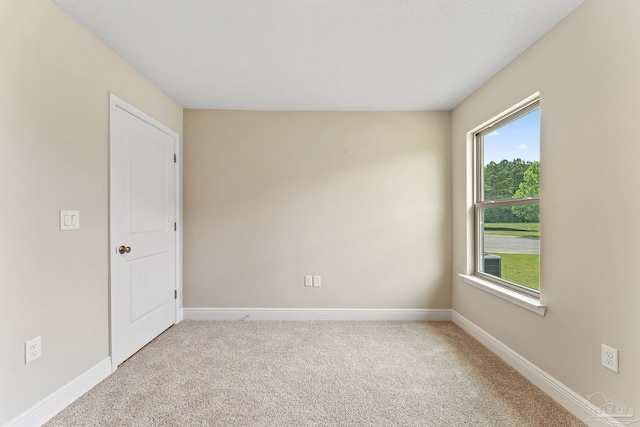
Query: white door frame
pixel 116 102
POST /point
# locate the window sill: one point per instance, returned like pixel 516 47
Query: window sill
pixel 524 301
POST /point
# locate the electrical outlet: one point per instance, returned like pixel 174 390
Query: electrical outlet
pixel 32 350
pixel 610 358
pixel 316 282
pixel 308 281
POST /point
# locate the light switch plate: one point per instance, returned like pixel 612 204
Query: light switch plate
pixel 69 220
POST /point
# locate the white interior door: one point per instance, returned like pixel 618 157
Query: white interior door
pixel 143 236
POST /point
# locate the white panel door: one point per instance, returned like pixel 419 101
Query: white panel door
pixel 143 237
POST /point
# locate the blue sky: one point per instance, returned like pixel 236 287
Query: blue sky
pixel 518 139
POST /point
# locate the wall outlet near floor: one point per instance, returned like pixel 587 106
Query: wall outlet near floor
pixel 308 281
pixel 32 350
pixel 610 358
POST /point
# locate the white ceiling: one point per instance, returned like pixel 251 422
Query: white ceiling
pixel 326 55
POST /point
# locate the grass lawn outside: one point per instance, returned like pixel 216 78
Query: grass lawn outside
pixel 523 269
pixel 519 229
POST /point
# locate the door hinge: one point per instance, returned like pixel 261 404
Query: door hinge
pixel 175 294
pixel 175 158
pixel 175 226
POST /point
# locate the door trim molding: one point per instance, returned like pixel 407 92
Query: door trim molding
pixel 116 102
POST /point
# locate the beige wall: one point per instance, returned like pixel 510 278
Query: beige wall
pixel 362 199
pixel 588 71
pixel 54 115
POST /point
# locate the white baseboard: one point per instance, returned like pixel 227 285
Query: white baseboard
pixel 567 398
pixel 315 314
pixel 48 407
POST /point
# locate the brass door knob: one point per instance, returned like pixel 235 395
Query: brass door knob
pixel 124 250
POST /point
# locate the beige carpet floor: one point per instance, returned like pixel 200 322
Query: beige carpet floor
pixel 315 374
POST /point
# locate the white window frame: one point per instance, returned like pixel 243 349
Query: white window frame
pixel 529 105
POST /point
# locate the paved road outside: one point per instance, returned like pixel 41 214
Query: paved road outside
pixel 512 244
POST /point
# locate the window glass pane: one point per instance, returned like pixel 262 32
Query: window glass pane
pixel 511 249
pixel 511 159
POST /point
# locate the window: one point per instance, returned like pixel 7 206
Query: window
pixel 507 200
